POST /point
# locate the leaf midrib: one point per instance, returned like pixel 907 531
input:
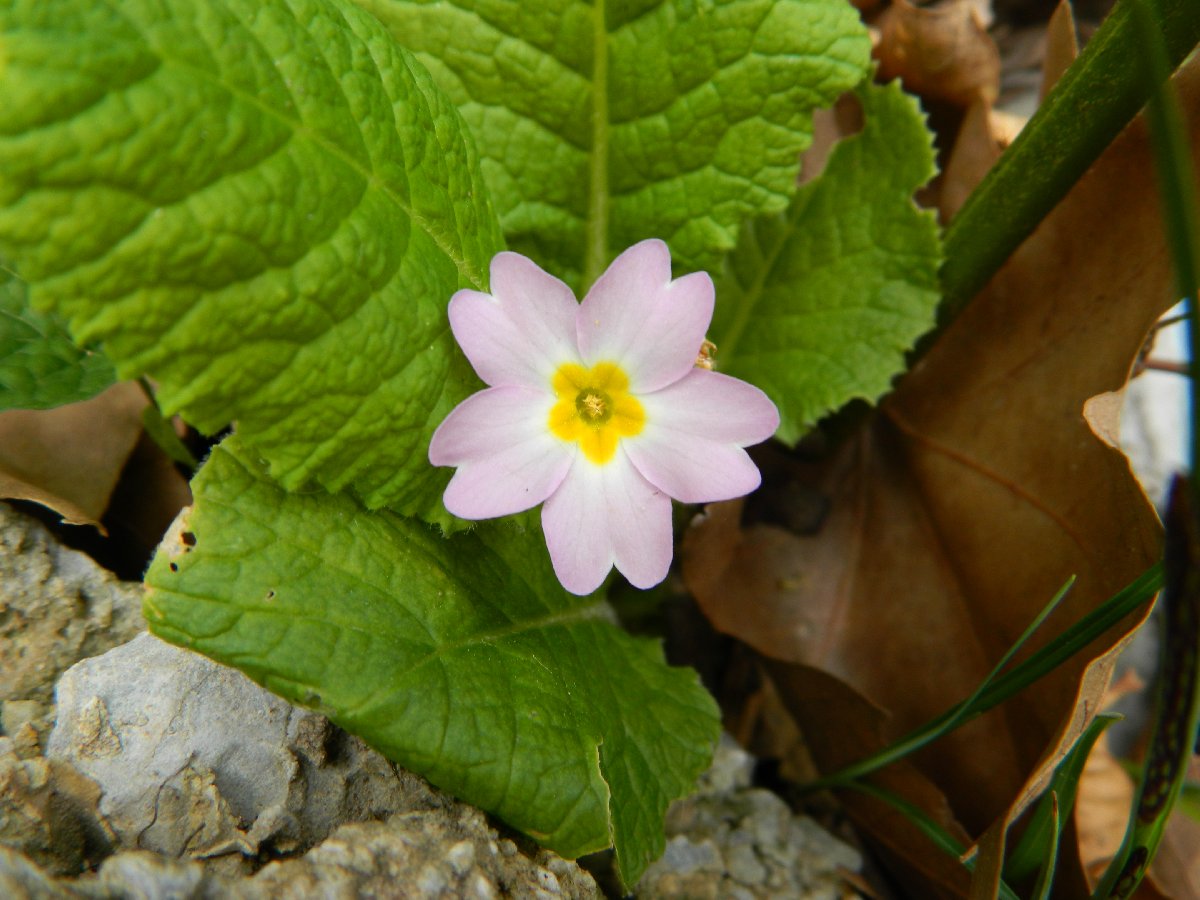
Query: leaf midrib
pixel 596 227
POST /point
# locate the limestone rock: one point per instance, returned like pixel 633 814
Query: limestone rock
pixel 194 759
pixel 441 854
pixel 56 607
pixel 731 841
pixel 433 854
pixel 141 874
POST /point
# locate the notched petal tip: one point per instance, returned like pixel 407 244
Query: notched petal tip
pixel 514 275
pixel 522 330
pixel 637 316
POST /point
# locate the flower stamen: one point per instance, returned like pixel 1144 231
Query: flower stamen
pixel 595 406
pixel 595 409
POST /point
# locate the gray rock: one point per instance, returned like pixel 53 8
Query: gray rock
pixel 731 841
pixel 444 853
pixel 141 875
pixel 194 759
pixel 450 852
pixel 56 608
pixel 447 853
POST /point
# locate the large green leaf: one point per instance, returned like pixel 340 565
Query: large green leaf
pixel 606 122
pixel 266 205
pixel 40 366
pixel 819 305
pixel 460 658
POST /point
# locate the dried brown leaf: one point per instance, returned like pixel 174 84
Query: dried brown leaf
pixel 1101 809
pixel 1062 46
pixel 941 52
pixel 983 136
pixel 69 458
pixel 966 503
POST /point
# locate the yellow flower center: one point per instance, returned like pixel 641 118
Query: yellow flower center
pixel 595 408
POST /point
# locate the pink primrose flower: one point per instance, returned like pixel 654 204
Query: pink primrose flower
pixel 598 410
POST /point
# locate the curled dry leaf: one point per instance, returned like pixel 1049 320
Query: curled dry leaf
pixel 964 504
pixel 941 52
pixel 69 458
pixel 985 133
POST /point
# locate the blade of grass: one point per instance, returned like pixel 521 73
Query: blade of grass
pixel 954 717
pixel 1045 824
pixel 1096 98
pixel 994 691
pixel 991 694
pixel 1045 881
pixel 927 827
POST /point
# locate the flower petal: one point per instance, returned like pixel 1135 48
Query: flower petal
pixel 508 460
pixel 695 429
pixel 637 317
pixel 692 469
pixel 601 515
pixel 520 332
pixel 715 406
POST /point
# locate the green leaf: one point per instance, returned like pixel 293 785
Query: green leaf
pixel 40 366
pixel 604 123
pixel 462 658
pixel 818 306
pixel 263 204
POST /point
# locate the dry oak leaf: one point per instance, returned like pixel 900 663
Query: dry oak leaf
pixel 69 458
pixel 964 504
pixel 941 52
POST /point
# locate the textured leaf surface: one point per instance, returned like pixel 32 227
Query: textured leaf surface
pixel 265 205
pixel 605 123
pixel 818 306
pixel 462 659
pixel 40 366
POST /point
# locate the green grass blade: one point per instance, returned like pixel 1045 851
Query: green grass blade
pixel 955 716
pixel 927 827
pixel 1056 652
pixel 1045 881
pixel 1045 824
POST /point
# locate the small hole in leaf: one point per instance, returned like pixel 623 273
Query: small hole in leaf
pixel 830 127
pixel 174 567
pixel 188 538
